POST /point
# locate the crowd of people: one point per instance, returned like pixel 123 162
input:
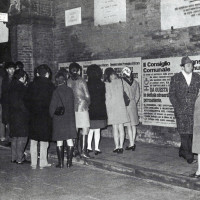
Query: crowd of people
pixel 68 111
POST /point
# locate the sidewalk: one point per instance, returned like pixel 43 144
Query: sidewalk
pixel 150 161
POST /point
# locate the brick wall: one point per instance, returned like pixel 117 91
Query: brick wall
pixel 140 35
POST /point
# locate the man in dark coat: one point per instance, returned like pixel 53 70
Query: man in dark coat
pixel 18 117
pixel 38 99
pixel 184 87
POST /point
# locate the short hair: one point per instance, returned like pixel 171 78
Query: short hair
pixel 19 73
pixel 60 78
pixel 94 72
pixel 74 65
pixel 9 65
pixel 19 64
pixel 108 72
pixel 42 70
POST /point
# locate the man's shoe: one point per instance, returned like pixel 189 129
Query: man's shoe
pixel 13 161
pixel 131 147
pixel 194 175
pixel 191 161
pixel 115 150
pixel 89 150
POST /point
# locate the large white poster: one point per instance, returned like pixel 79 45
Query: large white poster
pixel 109 11
pixel 179 13
pixel 157 109
pixel 118 64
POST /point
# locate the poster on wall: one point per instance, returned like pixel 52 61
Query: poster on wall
pixel 118 64
pixel 179 13
pixel 73 16
pixel 109 11
pixel 156 75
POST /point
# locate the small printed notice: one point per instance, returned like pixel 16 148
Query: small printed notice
pixel 179 13
pixel 73 17
pixel 109 11
pixel 3 17
pixel 3 33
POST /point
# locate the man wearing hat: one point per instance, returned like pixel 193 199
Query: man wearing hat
pixel 184 87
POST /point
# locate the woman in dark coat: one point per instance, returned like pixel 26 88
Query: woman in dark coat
pixel 38 100
pixel 18 116
pixel 64 127
pixel 97 108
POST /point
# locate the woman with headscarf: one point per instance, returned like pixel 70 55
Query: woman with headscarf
pixel 131 88
pixel 64 127
pixel 116 109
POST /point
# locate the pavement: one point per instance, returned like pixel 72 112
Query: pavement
pixel 149 161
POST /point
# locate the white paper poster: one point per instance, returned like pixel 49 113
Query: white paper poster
pixel 179 13
pixel 3 17
pixel 118 64
pixel 109 11
pixel 73 16
pixel 3 33
pixel 156 76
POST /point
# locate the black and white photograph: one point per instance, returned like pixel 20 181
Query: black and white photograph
pixel 99 99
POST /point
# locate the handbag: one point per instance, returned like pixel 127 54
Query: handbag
pixel 60 110
pixel 126 97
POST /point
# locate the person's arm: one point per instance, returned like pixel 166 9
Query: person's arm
pixel 137 92
pixel 85 89
pixel 172 92
pixel 53 104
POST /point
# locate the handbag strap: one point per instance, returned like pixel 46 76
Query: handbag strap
pixel 60 98
pixel 122 84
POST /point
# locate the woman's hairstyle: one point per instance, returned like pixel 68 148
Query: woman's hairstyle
pixel 60 78
pixel 94 72
pixel 108 72
pixel 19 64
pixel 19 73
pixel 41 70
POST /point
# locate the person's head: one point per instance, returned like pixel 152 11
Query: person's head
pixel 187 64
pixel 109 74
pixel 43 71
pixel 126 72
pixel 94 72
pixel 65 72
pixel 10 68
pixel 74 70
pixel 20 75
pixel 60 78
pixel 19 65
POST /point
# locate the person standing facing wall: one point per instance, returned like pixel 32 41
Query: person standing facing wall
pixel 183 90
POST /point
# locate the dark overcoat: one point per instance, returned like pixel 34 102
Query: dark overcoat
pixel 97 107
pixel 182 98
pixel 18 113
pixel 5 86
pixel 38 99
pixel 64 126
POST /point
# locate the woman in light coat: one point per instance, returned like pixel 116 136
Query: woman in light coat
pixel 131 88
pixel 116 109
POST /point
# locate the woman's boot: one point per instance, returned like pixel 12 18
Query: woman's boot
pixel 70 150
pixel 60 154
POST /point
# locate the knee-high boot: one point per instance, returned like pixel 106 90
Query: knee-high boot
pixel 70 150
pixel 60 154
pixel 84 153
pixel 76 149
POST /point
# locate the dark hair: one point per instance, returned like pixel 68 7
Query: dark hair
pixel 64 71
pixel 60 78
pixel 9 65
pixel 108 72
pixel 19 73
pixel 75 65
pixel 94 72
pixel 19 64
pixel 42 70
